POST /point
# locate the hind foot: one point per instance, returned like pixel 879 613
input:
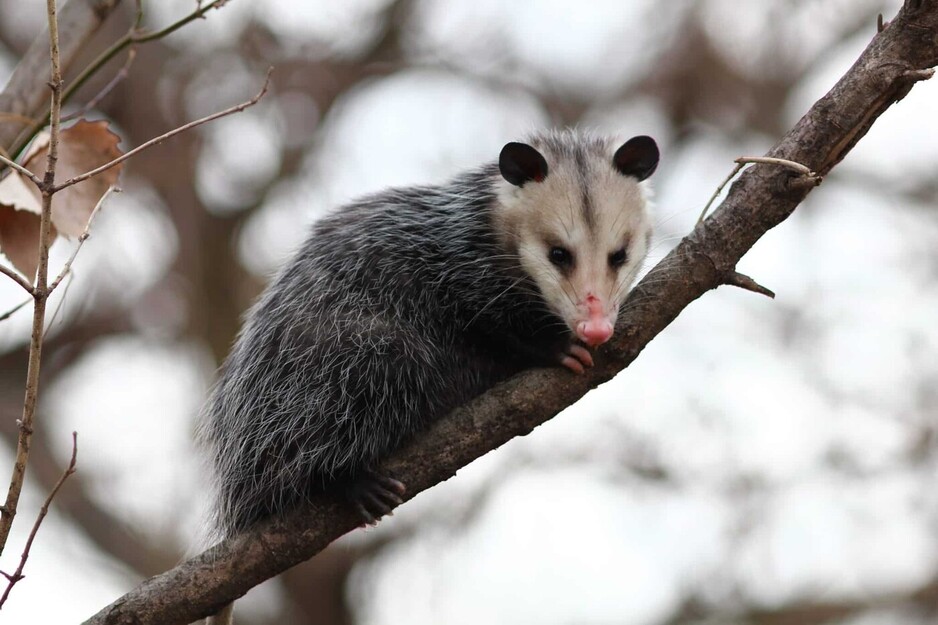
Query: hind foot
pixel 576 358
pixel 375 495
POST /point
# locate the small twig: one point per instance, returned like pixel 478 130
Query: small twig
pixel 880 24
pixel 20 280
pixel 22 170
pixel 12 312
pixel 768 160
pixel 719 190
pixel 134 35
pixel 61 303
pixel 67 267
pixel 172 133
pixel 742 161
pixel 745 282
pixel 118 77
pixel 17 575
pixel 916 75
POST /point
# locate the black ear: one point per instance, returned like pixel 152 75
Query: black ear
pixel 637 157
pixel 520 163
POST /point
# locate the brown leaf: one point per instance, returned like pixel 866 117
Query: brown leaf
pixel 19 239
pixel 82 147
pixel 20 206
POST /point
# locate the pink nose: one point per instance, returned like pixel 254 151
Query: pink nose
pixel 594 332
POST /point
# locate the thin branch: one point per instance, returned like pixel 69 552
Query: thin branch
pixel 40 293
pixel 60 305
pixel 67 267
pixel 745 282
pixel 20 280
pixel 133 36
pixel 121 74
pixel 198 13
pixel 781 162
pixel 719 190
pixel 742 161
pixel 17 575
pixel 24 98
pixel 22 170
pixel 172 133
pixel 14 310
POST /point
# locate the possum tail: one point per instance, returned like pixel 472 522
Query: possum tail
pixel 225 616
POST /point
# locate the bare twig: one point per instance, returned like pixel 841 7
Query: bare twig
pixel 718 191
pixel 172 133
pixel 118 77
pixel 22 170
pixel 20 280
pixel 745 282
pixel 742 161
pixel 133 36
pixel 17 575
pixel 40 293
pixel 67 267
pixel 782 162
pixel 60 305
pixel 13 310
pixel 24 98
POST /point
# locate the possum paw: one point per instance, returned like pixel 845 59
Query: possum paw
pixel 576 358
pixel 375 495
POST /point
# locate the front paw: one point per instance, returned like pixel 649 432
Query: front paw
pixel 375 495
pixel 576 358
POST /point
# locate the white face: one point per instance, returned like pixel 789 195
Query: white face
pixel 582 234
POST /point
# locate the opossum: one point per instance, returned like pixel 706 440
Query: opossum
pixel 405 304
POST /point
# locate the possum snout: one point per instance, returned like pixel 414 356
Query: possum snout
pixel 597 328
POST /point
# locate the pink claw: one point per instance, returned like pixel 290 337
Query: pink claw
pixel 572 364
pixel 582 354
pixel 576 358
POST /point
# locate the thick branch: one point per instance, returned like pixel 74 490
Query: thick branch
pixel 761 199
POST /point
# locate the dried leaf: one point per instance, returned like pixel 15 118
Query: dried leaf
pixel 19 239
pixel 20 206
pixel 19 192
pixel 82 147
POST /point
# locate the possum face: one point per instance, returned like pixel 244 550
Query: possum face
pixel 576 217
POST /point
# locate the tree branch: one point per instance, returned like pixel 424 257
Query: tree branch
pixel 172 133
pixel 40 292
pixel 134 36
pixel 25 95
pixel 17 575
pixel 761 199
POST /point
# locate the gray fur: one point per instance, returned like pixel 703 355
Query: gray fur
pixel 397 308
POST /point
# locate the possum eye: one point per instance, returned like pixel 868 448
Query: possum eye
pixel 617 258
pixel 560 256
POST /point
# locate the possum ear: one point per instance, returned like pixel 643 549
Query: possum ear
pixel 520 163
pixel 638 157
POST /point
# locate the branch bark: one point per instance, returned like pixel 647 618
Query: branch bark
pixel 760 199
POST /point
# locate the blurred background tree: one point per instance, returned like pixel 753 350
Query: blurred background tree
pixel 762 462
